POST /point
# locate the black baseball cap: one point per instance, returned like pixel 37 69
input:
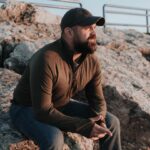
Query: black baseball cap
pixel 80 16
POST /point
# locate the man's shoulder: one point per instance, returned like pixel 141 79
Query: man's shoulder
pixel 49 54
pixel 93 58
pixel 51 47
pixel 50 50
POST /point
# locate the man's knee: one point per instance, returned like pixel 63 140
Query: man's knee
pixel 115 122
pixel 54 141
pixel 112 122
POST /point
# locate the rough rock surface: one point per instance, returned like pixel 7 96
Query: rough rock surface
pixel 125 59
pixel 23 29
pixel 20 12
pixel 127 91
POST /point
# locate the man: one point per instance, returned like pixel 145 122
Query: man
pixel 42 106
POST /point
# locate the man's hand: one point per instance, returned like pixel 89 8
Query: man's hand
pixel 99 130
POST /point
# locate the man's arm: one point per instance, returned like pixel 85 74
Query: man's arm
pixel 41 84
pixel 94 92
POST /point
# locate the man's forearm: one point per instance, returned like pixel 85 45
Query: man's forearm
pixel 64 122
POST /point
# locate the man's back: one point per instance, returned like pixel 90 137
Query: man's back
pixel 53 64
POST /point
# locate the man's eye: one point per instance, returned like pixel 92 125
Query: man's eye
pixel 87 27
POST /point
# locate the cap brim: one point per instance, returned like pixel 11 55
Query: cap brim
pixel 100 21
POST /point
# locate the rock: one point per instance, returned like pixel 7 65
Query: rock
pixel 126 95
pixel 119 40
pixel 8 81
pixel 12 139
pixel 130 70
pixel 117 45
pixel 22 26
pixel 7 48
pixel 27 14
pixel 21 54
pixel 14 64
pixel 144 50
pixel 1 50
pixel 133 33
pixel 126 75
pixel 126 88
pixel 42 15
pixel 127 91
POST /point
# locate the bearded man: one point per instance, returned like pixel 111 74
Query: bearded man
pixel 42 105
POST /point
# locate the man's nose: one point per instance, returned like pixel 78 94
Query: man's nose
pixel 92 35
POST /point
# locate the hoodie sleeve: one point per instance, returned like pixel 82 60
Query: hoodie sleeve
pixel 94 91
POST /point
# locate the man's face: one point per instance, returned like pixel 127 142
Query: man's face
pixel 85 39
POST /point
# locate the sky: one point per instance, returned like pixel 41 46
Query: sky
pixel 96 7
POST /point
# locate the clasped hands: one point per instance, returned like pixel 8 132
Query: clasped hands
pixel 99 129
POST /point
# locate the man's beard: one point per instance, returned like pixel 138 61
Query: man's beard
pixel 87 47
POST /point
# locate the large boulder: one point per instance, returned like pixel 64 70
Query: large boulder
pixel 126 87
pixel 126 80
pixel 24 13
pixel 123 39
pixel 22 26
pixel 125 59
pixel 18 59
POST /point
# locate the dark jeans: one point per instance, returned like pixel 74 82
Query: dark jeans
pixel 51 138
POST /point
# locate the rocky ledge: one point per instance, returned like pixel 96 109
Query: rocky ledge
pixel 125 59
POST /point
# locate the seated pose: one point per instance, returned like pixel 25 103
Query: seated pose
pixel 42 105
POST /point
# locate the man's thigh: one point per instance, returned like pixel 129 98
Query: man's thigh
pixel 83 110
pixel 77 109
pixel 43 134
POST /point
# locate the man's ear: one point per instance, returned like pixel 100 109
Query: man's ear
pixel 68 31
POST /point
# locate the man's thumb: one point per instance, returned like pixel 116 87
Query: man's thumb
pixel 96 118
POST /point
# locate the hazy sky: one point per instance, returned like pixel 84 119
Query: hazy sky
pixel 95 6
